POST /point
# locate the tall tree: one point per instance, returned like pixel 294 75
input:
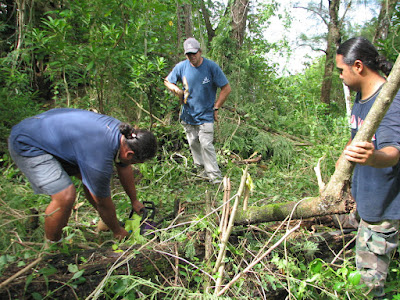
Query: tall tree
pixel 185 23
pixel 206 17
pixel 234 15
pixel 384 19
pixel 239 11
pixel 330 17
pixel 333 41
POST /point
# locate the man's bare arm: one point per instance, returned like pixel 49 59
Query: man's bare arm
pixel 174 89
pixel 127 180
pixel 223 95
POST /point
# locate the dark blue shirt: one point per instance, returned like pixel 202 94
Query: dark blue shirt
pixel 377 190
pixel 200 86
pixel 86 141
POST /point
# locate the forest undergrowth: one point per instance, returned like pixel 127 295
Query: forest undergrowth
pixel 277 140
pixel 297 268
pixel 112 57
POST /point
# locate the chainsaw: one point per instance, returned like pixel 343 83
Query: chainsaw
pixel 146 221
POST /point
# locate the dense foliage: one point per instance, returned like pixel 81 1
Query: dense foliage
pixel 112 56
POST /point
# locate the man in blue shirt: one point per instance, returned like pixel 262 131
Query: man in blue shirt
pixel 376 178
pixel 200 78
pixel 52 146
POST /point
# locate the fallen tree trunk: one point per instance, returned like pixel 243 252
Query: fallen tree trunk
pixel 336 197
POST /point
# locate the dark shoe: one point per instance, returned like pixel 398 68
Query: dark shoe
pixel 346 221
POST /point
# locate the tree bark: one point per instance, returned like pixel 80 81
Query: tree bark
pixel 384 19
pixel 333 43
pixel 21 23
pixel 336 197
pixel 185 24
pixel 187 8
pixel 239 12
pixel 206 17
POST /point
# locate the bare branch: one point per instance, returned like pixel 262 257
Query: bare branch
pixel 318 12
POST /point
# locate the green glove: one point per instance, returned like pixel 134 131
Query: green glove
pixel 133 226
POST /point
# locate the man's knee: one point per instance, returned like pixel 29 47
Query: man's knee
pixel 66 197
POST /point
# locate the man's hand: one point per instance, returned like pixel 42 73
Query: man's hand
pixel 216 115
pixel 121 233
pixel 364 153
pixel 137 206
pixel 180 94
pixel 361 153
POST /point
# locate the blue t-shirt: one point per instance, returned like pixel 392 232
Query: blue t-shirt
pixel 377 190
pixel 200 83
pixel 85 141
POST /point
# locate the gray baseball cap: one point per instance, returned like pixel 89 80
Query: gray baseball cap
pixel 191 45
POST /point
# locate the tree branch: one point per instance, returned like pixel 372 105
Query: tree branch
pixel 336 197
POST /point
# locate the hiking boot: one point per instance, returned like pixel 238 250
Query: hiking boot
pixel 346 221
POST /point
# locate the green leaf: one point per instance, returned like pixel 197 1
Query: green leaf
pixel 73 268
pixel 355 277
pixel 80 280
pixel 21 264
pixel 316 266
pixel 5 259
pixel 77 274
pixel 120 286
pixel 314 278
pixel 339 286
pixel 28 281
pixel 36 296
pixel 90 65
pixel 48 271
pixel 344 271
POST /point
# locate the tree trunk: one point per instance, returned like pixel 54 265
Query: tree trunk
pixel 336 197
pixel 333 43
pixel 384 19
pixel 206 17
pixel 187 8
pixel 21 11
pixel 185 24
pixel 239 12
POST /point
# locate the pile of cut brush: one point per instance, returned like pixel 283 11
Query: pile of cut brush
pixel 159 266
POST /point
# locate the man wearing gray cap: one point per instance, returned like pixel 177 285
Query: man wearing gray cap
pixel 200 78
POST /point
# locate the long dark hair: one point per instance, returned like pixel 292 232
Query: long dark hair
pixel 360 48
pixel 142 142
